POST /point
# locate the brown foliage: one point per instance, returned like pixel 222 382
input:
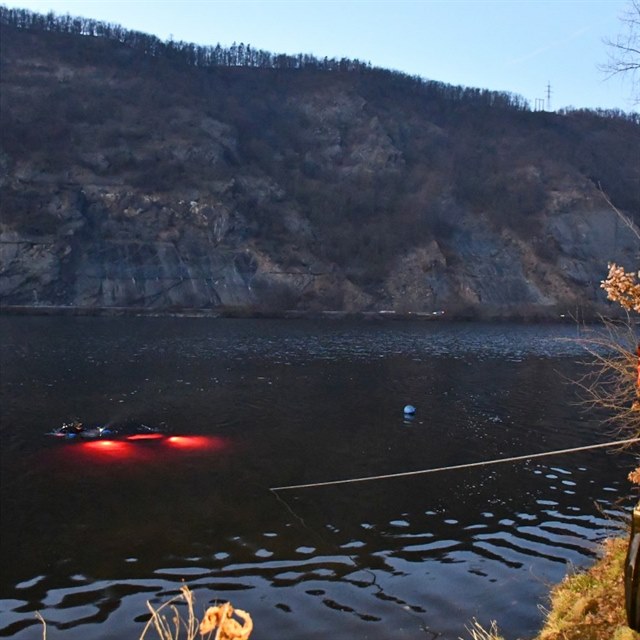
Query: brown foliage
pixel 221 617
pixel 622 287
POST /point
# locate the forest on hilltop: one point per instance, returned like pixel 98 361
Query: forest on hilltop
pixel 298 182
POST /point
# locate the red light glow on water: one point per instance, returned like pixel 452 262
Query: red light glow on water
pixel 108 449
pixel 196 443
pixel 138 449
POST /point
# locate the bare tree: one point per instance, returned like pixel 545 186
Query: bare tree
pixel 624 50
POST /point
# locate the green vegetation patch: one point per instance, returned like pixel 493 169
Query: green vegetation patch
pixel 587 605
pixel 590 605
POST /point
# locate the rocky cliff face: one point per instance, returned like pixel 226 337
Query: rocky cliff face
pixel 132 182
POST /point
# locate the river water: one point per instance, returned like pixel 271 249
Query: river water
pixel 90 534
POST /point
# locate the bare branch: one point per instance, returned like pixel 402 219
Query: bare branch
pixel 624 49
pixel 610 383
pixel 625 219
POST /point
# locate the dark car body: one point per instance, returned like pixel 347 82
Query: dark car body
pixel 632 573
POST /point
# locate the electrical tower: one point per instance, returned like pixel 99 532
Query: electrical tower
pixel 540 102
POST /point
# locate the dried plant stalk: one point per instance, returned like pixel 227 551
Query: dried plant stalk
pixel 219 617
pixel 478 632
pixel 170 629
pixel 44 625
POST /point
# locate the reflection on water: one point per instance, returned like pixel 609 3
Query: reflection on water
pixel 138 449
pixel 92 530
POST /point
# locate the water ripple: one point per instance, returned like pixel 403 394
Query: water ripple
pixel 298 402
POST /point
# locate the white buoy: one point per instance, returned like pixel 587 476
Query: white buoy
pixel 409 410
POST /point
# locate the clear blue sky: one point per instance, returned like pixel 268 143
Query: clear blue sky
pixel 508 45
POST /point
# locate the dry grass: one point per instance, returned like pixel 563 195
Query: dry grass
pixel 590 605
pixel 478 632
pixel 44 625
pixel 169 624
pixel 587 605
pixel 169 628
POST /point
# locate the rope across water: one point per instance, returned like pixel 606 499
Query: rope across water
pixel 456 467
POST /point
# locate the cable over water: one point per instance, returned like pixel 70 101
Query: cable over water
pixel 456 467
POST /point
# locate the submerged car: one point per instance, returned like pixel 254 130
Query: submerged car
pixel 76 430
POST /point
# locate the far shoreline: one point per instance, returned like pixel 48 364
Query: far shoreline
pixel 477 314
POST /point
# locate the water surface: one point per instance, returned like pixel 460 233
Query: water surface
pixel 90 534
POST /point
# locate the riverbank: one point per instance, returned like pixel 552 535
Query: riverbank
pixel 588 605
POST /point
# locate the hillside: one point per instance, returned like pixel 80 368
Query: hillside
pixel 133 175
